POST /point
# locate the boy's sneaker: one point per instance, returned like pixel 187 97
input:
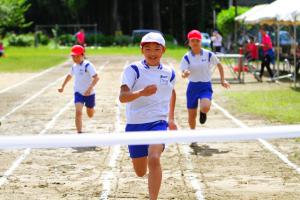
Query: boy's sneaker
pixel 202 118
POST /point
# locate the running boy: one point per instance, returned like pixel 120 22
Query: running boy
pixel 148 89
pixel 196 65
pixel 85 80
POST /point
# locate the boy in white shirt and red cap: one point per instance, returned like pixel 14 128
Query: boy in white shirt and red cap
pixel 86 78
pixel 196 65
pixel 148 89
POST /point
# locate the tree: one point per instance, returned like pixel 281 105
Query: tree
pixel 12 14
pixel 156 15
pixel 225 19
pixel 141 14
pixel 115 17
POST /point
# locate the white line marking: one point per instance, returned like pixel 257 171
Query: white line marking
pixel 33 77
pixel 108 176
pixel 266 144
pixel 31 98
pixel 49 125
pixel 27 151
pixel 190 176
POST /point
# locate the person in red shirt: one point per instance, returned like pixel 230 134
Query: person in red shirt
pixel 251 50
pixel 268 53
pixel 80 37
pixel 1 49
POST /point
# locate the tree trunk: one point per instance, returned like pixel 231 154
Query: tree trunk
pixel 115 16
pixel 183 19
pixel 156 15
pixel 141 13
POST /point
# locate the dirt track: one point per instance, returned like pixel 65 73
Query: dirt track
pixel 243 170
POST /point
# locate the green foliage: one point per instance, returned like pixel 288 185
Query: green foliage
pixel 21 40
pixel 122 40
pixel 42 38
pixel 225 19
pixel 66 39
pixel 12 14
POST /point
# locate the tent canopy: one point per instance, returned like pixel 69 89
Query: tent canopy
pixel 285 12
pixel 252 11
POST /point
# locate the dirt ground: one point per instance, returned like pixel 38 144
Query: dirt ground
pixel 231 170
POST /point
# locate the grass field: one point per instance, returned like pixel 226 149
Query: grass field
pixel 35 59
pixel 276 105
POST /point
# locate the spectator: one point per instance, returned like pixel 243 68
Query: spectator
pixel 251 50
pixel 268 54
pixel 1 49
pixel 80 37
pixel 216 41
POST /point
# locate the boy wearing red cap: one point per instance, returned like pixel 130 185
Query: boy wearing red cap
pixel 148 90
pixel 196 65
pixel 86 78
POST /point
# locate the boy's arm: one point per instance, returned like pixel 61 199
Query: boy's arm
pixel 90 88
pixel 172 125
pixel 127 96
pixel 67 79
pixel 224 83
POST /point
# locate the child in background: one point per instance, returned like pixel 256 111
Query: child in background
pixel 85 80
pixel 196 65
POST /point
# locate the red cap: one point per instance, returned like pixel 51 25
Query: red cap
pixel 77 50
pixel 194 34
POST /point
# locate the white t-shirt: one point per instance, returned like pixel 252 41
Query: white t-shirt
pixel 83 76
pixel 151 108
pixel 200 65
pixel 217 40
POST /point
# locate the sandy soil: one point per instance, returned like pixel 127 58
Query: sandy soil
pixel 232 170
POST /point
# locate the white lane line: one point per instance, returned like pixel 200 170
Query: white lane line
pixel 38 94
pixel 33 77
pixel 27 151
pixel 189 175
pixel 266 144
pixel 30 98
pixel 108 176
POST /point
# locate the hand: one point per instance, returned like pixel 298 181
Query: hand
pixel 60 90
pixel 186 73
pixel 172 125
pixel 88 92
pixel 225 84
pixel 149 90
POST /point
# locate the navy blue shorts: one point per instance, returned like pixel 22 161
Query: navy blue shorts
pixel 138 151
pixel 88 101
pixel 196 91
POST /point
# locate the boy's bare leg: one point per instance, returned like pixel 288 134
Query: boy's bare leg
pixel 155 171
pixel 78 117
pixel 192 117
pixel 90 112
pixel 140 166
pixel 205 105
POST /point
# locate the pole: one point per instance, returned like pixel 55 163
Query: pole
pixel 278 52
pixel 295 59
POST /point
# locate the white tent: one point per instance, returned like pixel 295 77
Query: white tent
pixel 253 11
pixel 280 12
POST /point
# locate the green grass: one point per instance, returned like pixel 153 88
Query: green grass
pixel 276 105
pixel 30 59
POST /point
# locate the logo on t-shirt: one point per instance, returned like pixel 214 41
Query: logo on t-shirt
pixel 164 80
